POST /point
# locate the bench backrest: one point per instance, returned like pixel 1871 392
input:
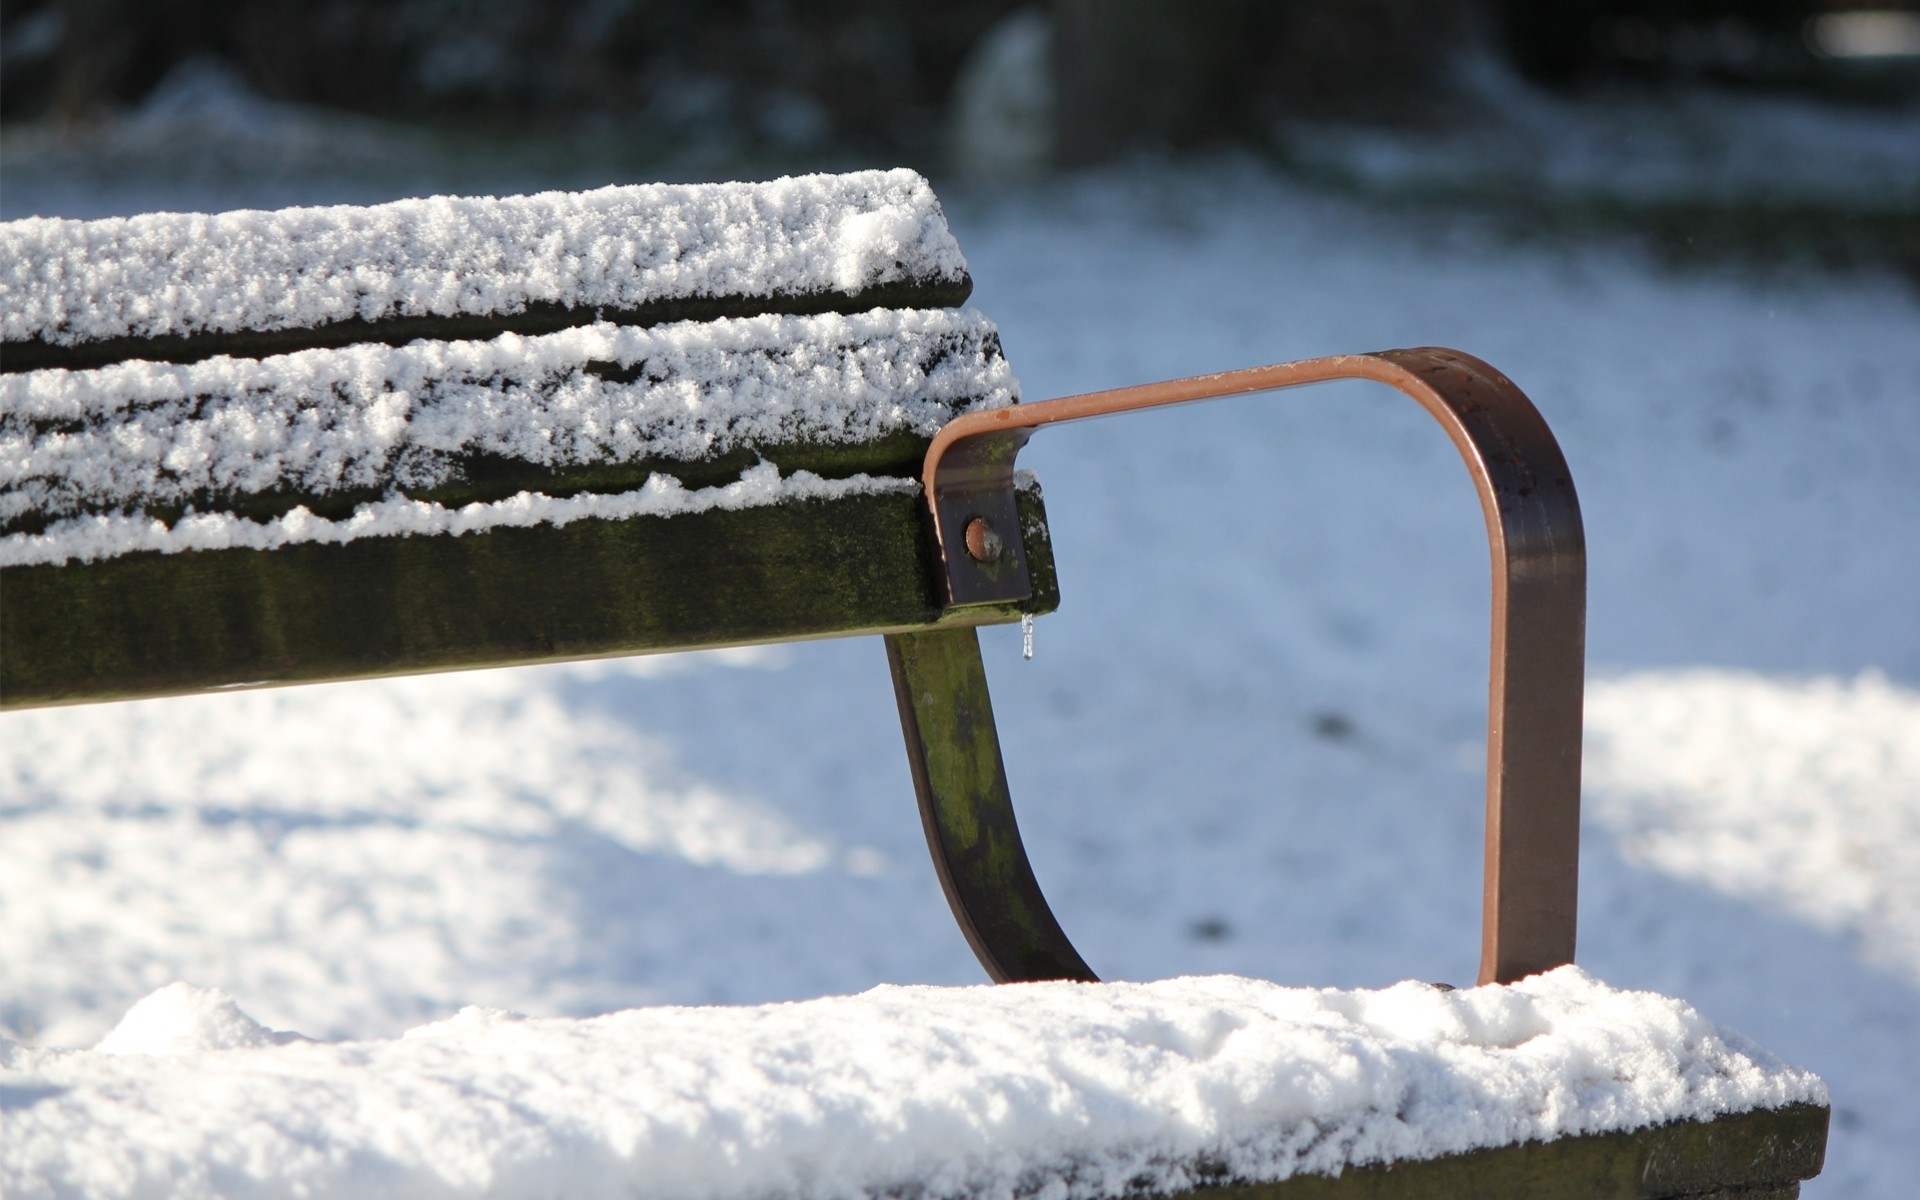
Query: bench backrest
pixel 337 442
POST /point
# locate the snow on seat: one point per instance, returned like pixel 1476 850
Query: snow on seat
pixel 1048 1090
pixel 105 461
pixel 186 285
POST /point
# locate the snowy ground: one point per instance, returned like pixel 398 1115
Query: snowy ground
pixel 1249 742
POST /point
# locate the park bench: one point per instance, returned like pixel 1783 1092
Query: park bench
pixel 259 449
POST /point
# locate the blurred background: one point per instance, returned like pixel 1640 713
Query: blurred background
pixel 1386 98
pixel 1689 230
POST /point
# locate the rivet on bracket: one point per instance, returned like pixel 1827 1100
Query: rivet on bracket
pixel 983 541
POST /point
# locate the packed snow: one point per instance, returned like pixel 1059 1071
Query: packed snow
pixel 68 281
pixel 181 1019
pixel 114 440
pixel 938 1092
pixel 1250 742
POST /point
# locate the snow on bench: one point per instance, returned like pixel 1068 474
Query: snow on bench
pixel 639 254
pixel 85 455
pixel 1056 1089
pixel 464 417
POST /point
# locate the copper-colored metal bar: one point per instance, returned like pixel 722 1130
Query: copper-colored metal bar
pixel 1538 550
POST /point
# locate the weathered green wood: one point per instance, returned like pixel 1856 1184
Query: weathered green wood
pixel 483 478
pixel 150 624
pixel 538 317
pixel 953 749
pixel 1749 1156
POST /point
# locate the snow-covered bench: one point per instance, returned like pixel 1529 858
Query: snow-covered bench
pixel 541 379
pixel 1555 1088
pixel 274 448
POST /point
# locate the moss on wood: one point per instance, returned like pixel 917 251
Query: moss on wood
pixel 159 624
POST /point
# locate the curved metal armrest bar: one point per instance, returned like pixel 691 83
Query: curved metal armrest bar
pixel 1539 599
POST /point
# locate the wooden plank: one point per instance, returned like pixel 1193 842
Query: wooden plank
pixel 151 624
pixel 486 478
pixel 536 318
pixel 602 426
pixel 1750 1156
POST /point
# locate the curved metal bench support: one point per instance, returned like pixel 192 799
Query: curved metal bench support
pixel 967 812
pixel 1538 661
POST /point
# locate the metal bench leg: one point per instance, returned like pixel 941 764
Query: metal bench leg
pixel 954 751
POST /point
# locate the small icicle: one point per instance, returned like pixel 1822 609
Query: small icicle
pixel 1026 636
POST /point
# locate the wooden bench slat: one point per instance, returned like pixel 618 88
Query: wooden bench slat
pixel 183 286
pixel 153 624
pixel 537 318
pixel 1757 1155
pixel 453 423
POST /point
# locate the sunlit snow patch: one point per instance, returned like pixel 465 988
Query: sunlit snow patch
pixel 365 855
pixel 1803 794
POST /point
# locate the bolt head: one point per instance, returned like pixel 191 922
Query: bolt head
pixel 983 541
